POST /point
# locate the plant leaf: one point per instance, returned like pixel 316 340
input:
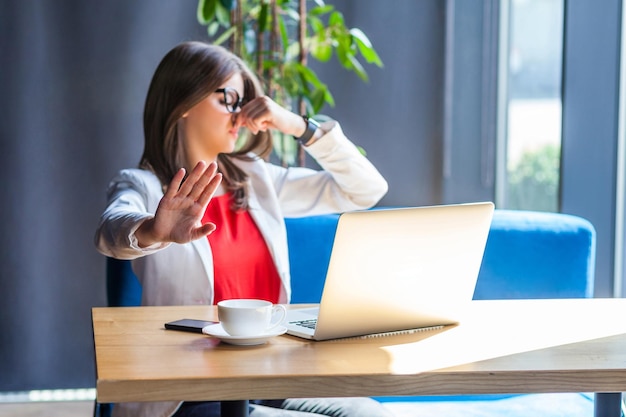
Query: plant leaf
pixel 212 28
pixel 342 56
pixel 317 100
pixel 329 98
pixel 336 19
pixel 360 36
pixel 358 68
pixel 365 47
pixel 268 64
pixel 206 11
pixel 228 4
pixel 344 42
pixel 316 24
pixel 293 14
pixel 321 48
pixel 321 10
pixel 293 82
pixel 308 75
pixel 322 51
pixel 283 32
pixel 263 17
pixel 224 36
pixel 222 14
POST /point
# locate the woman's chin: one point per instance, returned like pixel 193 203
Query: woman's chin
pixel 231 147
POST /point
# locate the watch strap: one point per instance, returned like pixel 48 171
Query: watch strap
pixel 311 127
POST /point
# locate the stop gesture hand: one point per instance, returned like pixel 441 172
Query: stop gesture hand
pixel 179 214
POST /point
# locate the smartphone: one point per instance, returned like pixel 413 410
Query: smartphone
pixel 188 325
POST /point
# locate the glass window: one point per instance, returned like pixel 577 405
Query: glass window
pixel 532 113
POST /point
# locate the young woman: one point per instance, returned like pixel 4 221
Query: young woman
pixel 202 216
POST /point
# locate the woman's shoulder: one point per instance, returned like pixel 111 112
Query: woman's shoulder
pixel 136 177
pixel 135 173
pixel 257 168
pixel 249 160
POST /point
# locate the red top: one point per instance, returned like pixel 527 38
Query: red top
pixel 242 263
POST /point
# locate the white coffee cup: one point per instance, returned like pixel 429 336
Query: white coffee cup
pixel 249 317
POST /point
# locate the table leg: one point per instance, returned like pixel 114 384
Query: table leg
pixel 234 408
pixel 608 404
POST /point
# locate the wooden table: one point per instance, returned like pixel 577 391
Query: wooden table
pixel 514 346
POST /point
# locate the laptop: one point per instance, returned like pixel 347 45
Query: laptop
pixel 398 269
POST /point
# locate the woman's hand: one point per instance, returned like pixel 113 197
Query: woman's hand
pixel 263 113
pixel 180 211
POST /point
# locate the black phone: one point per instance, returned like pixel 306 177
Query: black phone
pixel 188 325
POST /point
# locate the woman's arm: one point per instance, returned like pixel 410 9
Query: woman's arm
pixel 129 200
pixel 348 181
pixel 140 220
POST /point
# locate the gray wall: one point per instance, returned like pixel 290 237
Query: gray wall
pixel 397 116
pixel 73 77
pixel 591 88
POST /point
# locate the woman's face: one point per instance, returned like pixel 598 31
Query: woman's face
pixel 209 126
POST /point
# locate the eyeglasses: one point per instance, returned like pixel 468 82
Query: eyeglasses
pixel 232 101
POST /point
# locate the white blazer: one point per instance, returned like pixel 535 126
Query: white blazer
pixel 182 274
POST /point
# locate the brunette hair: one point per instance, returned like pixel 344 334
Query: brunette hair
pixel 184 77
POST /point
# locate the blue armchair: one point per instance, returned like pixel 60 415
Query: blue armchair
pixel 528 255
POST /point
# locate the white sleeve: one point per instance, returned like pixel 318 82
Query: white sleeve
pixel 128 205
pixel 347 181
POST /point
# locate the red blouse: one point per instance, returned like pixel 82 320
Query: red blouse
pixel 242 264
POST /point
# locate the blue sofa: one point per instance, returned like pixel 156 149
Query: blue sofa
pixel 528 255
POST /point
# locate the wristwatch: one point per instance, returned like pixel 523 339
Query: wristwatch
pixel 311 127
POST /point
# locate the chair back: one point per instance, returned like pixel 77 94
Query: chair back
pixel 123 287
pixel 533 254
pixel 528 255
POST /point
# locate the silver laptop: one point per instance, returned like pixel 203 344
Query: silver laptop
pixel 398 269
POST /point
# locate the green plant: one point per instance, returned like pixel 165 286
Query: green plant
pixel 275 38
pixel 533 183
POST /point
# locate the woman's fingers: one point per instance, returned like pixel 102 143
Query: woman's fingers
pixel 197 172
pixel 195 183
pixel 257 115
pixel 182 206
pixel 209 190
pixel 203 182
pixel 203 230
pixel 252 126
pixel 172 189
pixel 263 113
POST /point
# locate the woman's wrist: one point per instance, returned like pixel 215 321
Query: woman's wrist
pixel 144 233
pixel 299 126
pixel 311 132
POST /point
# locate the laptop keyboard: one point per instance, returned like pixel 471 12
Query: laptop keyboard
pixel 309 324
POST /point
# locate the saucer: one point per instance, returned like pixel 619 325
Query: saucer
pixel 217 331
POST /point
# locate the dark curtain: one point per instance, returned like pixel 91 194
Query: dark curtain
pixel 73 78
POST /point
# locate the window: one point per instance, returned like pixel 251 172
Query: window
pixel 530 106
